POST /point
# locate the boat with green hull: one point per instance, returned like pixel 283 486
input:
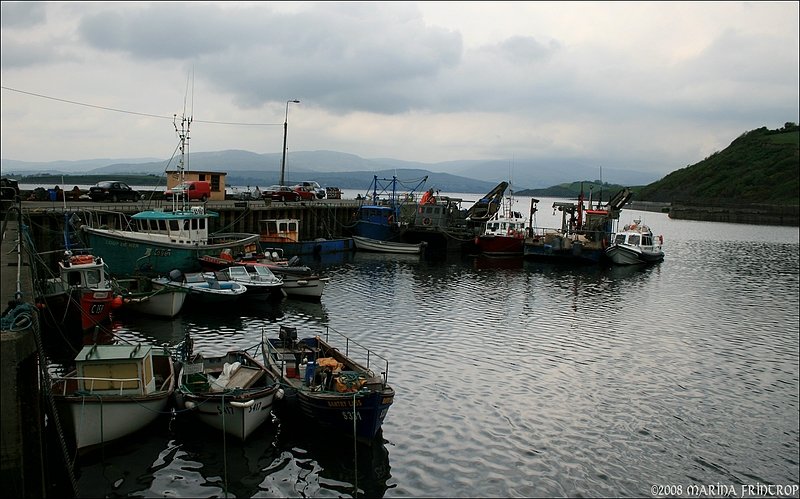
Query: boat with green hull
pixel 160 241
pixel 157 242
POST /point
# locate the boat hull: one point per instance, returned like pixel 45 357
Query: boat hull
pixel 97 421
pixel 316 247
pixel 625 255
pixel 500 245
pixel 382 246
pixel 561 249
pixel 127 256
pixel 139 296
pixel 78 310
pixel 236 416
pixel 307 288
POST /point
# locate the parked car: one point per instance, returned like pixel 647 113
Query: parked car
pixel 111 190
pixel 333 193
pixel 312 187
pixel 281 193
pixel 190 189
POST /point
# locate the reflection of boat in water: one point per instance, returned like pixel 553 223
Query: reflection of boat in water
pixel 337 466
pixel 503 262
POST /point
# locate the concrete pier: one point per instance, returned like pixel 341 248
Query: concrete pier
pixel 21 419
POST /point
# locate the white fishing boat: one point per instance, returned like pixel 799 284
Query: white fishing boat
pixel 635 244
pixel 260 282
pixel 233 393
pixel 115 390
pixel 367 244
pixel 204 290
pixel 139 295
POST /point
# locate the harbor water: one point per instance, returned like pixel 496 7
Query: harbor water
pixel 515 378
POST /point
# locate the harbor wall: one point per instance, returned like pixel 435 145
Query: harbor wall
pixel 326 219
pixel 22 468
pixel 743 214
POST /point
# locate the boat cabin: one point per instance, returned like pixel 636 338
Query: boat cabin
pixel 184 227
pixel 115 369
pixel 284 230
pixel 444 213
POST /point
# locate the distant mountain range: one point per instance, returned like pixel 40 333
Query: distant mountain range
pixel 346 170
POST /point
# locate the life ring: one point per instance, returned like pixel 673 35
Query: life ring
pixel 426 221
pixel 81 259
pixel 390 220
pixel 510 232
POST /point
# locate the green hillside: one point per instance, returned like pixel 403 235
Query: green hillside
pixel 760 167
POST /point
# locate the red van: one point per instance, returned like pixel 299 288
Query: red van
pixel 191 190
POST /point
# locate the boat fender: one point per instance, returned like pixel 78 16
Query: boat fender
pixel 190 405
pixel 302 282
pixel 279 394
pixel 660 239
pixel 243 405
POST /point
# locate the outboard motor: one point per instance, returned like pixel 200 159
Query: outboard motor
pixel 288 336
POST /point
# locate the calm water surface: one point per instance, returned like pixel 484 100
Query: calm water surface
pixel 516 378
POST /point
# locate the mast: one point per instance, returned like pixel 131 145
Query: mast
pixel 183 135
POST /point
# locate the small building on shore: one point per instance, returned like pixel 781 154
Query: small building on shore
pixel 216 179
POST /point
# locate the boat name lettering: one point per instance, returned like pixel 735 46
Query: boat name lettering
pixel 228 410
pixel 342 403
pixel 97 308
pixel 161 252
pixel 255 407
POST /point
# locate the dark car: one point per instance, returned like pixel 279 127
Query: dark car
pixel 280 193
pixel 111 190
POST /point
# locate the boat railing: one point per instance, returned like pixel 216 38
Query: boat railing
pixel 360 354
pixel 90 382
pixel 229 237
pixel 101 219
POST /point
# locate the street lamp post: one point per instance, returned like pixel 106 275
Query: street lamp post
pixel 285 129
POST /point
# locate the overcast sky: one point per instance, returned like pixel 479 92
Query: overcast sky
pixel 652 86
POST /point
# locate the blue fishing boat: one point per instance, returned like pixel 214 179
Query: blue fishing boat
pixel 384 212
pixel 284 234
pixel 334 383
